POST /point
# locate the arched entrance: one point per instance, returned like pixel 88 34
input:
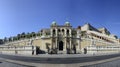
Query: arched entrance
pixel 61 45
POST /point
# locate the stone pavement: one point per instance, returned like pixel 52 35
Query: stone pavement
pixel 62 55
pixel 59 65
pixel 114 63
pixel 8 64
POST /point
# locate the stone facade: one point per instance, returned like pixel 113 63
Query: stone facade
pixel 65 39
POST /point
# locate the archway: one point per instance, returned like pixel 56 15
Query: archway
pixel 61 45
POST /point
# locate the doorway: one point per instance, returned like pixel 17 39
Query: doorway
pixel 61 45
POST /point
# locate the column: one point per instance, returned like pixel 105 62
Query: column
pixel 78 44
pixel 65 40
pixel 56 43
pixel 51 32
pixel 51 43
pixel 65 45
pixel 70 32
pixel 65 32
pixel 51 46
pixel 56 38
pixel 70 43
pixel 56 32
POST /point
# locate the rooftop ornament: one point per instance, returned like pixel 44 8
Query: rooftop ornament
pixel 79 27
pixel 54 23
pixel 67 23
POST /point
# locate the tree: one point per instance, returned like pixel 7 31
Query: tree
pixel 28 35
pixel 5 39
pixel 33 34
pixel 1 41
pixel 10 39
pixel 38 34
pixel 23 35
pixel 47 33
pixel 18 36
pixel 13 38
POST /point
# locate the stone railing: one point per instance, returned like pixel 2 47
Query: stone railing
pixel 26 50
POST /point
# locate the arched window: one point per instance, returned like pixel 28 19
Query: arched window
pixel 63 31
pixel 67 32
pixel 53 31
pixel 58 30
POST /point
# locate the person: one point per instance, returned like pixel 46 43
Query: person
pixel 37 50
pixel 85 50
pixel 74 48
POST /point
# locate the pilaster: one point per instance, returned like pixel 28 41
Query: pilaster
pixel 65 41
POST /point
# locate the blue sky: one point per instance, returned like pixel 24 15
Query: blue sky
pixel 17 16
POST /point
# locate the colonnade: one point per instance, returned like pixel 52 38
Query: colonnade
pixel 61 34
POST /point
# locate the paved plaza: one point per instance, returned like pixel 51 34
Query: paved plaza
pixel 60 61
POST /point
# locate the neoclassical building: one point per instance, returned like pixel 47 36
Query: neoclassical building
pixel 64 39
pixel 61 38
